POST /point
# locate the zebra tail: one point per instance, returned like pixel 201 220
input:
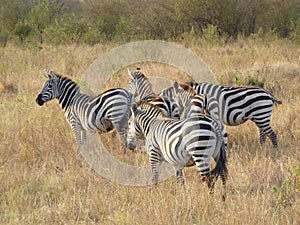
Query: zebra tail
pixel 278 101
pixel 221 167
pixel 274 99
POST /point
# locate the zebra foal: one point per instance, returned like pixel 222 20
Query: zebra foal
pixel 107 111
pixel 178 141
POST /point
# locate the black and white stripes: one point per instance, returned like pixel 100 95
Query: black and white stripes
pixel 141 89
pixel 177 141
pixel 110 110
pixel 239 104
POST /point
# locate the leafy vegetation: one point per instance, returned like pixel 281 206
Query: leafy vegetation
pixel 93 21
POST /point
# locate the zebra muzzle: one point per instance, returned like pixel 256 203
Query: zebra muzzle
pixel 131 146
pixel 39 100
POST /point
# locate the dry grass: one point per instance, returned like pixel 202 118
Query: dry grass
pixel 45 180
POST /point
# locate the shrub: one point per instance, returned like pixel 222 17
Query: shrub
pixel 22 31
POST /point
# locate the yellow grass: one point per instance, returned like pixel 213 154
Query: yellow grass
pixel 45 180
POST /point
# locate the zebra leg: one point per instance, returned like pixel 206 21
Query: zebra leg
pixel 272 136
pixel 179 175
pixel 223 176
pixel 204 170
pixel 262 137
pixel 265 129
pixel 122 133
pixel 80 134
pixel 154 159
pixel 210 180
pixel 121 127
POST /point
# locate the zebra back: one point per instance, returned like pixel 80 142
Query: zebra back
pixel 216 90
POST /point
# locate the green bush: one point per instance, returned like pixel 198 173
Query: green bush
pixel 3 38
pixel 22 31
pixel 94 21
pixel 210 35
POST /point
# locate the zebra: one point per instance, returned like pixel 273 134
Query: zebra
pixel 141 89
pixel 239 104
pixel 109 110
pixel 178 141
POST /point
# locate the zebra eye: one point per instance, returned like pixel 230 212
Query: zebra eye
pixel 50 85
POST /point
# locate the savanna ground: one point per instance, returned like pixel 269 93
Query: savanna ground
pixel 45 180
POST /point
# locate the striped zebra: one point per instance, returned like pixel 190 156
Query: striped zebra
pixel 178 141
pixel 109 110
pixel 141 89
pixel 191 104
pixel 239 104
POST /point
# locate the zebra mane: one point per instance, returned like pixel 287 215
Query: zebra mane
pixel 143 105
pixel 55 75
pixel 188 88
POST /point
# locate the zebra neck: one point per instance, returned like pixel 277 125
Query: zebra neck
pixel 146 92
pixel 187 101
pixel 67 96
pixel 148 120
pixel 150 95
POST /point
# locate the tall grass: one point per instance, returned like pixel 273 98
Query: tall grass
pixel 45 180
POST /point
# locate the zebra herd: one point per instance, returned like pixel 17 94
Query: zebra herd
pixel 183 125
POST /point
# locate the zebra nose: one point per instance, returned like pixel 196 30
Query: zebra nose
pixel 131 146
pixel 39 100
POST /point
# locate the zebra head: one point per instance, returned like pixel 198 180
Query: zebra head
pixel 143 113
pixel 168 92
pixel 50 90
pixel 182 95
pixel 183 92
pixel 134 131
pixel 139 85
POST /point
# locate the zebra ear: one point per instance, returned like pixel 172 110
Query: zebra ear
pixel 50 75
pixel 47 75
pixel 138 70
pixel 176 87
pixel 132 74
